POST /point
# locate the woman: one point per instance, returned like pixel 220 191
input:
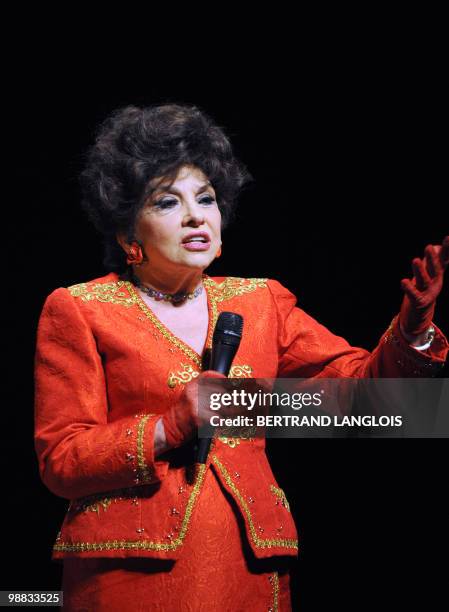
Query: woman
pixel 118 363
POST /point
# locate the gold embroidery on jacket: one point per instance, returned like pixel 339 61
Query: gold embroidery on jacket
pixel 103 292
pixel 188 373
pixel 258 542
pixel 274 579
pixel 141 544
pixel 279 493
pixel 144 470
pixel 92 503
pixel 233 435
pixel 104 503
pixel 240 371
pixel 233 286
pixel 181 377
pixel 231 442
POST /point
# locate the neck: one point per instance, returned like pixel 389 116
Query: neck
pixel 183 283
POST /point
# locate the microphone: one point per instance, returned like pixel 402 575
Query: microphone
pixel 225 343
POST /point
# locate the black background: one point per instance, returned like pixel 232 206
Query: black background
pixel 350 186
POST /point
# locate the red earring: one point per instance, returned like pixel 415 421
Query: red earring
pixel 218 253
pixel 134 255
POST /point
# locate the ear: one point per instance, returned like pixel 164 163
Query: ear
pixel 121 239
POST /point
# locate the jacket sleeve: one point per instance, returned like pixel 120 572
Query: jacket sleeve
pixel 308 349
pixel 79 452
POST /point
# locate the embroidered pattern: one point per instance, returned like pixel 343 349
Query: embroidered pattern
pixel 144 470
pixel 182 377
pixel 279 493
pixel 104 503
pixel 240 371
pixel 93 503
pixel 188 373
pixel 233 286
pixel 259 542
pixel 233 435
pixel 103 292
pixel 141 544
pixel 274 579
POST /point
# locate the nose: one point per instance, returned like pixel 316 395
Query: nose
pixel 194 214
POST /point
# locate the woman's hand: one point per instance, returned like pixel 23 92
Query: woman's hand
pixel 182 421
pixel 422 290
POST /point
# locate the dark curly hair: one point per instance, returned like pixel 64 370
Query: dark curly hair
pixel 134 145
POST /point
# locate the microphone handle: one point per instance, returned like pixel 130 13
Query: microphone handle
pixel 221 361
pixel 203 449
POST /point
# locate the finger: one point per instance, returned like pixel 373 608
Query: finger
pixel 410 290
pixel 432 261
pixel 444 253
pixel 212 374
pixel 422 278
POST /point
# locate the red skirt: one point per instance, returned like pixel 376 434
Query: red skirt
pixel 216 572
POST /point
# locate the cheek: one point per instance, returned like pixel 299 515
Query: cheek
pixel 158 233
pixel 215 220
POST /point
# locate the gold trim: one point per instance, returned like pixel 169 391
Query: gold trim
pixel 142 544
pixel 240 371
pixel 234 286
pixel 105 502
pixel 102 292
pixel 231 442
pixel 259 542
pixel 280 494
pixel 144 470
pixel 178 378
pixel 275 583
pixel 188 373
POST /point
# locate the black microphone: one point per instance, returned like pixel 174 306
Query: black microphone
pixel 225 343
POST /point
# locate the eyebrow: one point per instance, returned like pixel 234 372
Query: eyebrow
pixel 169 189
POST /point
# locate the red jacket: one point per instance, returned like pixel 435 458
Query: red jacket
pixel 106 368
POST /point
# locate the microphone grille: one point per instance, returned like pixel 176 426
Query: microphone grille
pixel 230 322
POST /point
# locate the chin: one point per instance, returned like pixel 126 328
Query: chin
pixel 199 260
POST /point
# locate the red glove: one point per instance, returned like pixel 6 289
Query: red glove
pixel 422 290
pixel 181 422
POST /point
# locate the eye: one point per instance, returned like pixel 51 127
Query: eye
pixel 207 200
pixel 165 203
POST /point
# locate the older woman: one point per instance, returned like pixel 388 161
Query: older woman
pixel 118 363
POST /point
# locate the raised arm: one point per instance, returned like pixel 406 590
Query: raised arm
pixel 308 349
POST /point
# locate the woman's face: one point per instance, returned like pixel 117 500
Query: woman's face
pixel 173 213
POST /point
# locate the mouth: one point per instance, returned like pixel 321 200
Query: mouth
pixel 196 241
pixel 196 237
